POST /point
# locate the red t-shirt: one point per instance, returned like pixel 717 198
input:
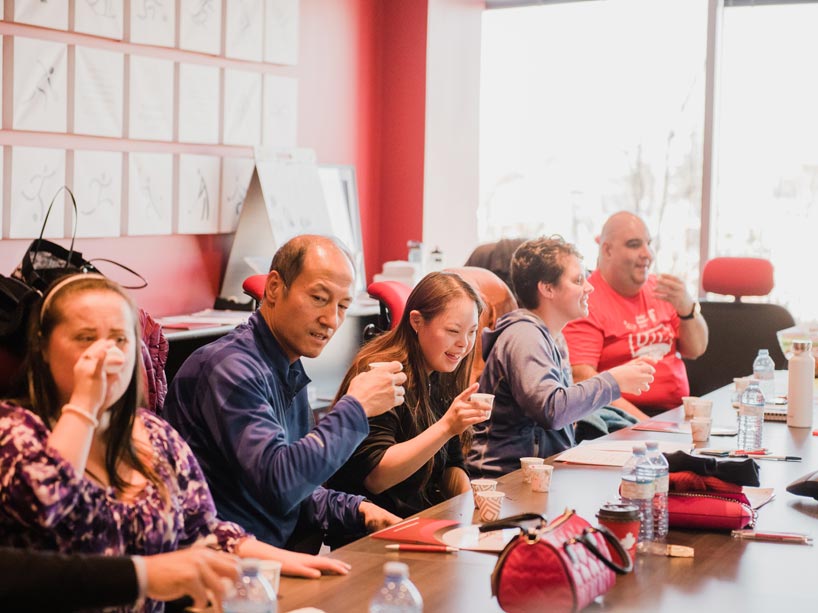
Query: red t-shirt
pixel 619 329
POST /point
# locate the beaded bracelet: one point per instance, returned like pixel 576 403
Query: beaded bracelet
pixel 85 415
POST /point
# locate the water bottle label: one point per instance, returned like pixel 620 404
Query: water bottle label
pixel 635 490
pixel 749 410
pixel 662 484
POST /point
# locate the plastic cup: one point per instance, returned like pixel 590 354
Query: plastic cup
pixel 490 504
pixel 482 485
pixel 623 521
pixel 525 464
pixel 484 399
pixel 271 570
pixel 541 477
pixel 702 408
pixel 700 429
pixel 687 403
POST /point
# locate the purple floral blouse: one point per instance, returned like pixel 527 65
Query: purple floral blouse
pixel 45 504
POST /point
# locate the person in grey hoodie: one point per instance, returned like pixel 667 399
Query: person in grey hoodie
pixel 527 369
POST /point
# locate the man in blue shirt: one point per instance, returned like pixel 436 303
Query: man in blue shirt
pixel 241 404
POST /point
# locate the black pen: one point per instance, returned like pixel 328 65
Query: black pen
pixel 778 458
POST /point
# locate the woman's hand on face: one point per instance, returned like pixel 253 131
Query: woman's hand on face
pixel 90 382
pixel 463 412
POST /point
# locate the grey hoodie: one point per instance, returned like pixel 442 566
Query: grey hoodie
pixel 535 403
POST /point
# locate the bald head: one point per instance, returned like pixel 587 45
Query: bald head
pixel 624 253
pixel 289 260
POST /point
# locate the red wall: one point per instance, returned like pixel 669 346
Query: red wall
pixel 361 72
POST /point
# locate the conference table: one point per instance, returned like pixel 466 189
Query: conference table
pixel 726 574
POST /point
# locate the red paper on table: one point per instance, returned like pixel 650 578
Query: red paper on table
pixel 415 530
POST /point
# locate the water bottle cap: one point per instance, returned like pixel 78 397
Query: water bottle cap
pixel 392 569
pixel 801 346
pixel 651 445
pixel 763 352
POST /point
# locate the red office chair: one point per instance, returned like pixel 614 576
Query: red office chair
pixel 737 329
pixel 253 286
pixel 392 296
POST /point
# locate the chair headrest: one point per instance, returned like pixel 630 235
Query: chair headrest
pixel 253 286
pixel 393 294
pixel 738 276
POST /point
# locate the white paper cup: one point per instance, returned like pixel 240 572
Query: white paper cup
pixel 375 365
pixel 702 408
pixel 271 570
pixel 490 504
pixel 482 485
pixel 525 464
pixel 541 477
pixel 700 429
pixel 484 399
pixel 687 403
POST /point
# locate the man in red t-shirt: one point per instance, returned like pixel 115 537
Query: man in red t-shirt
pixel 632 314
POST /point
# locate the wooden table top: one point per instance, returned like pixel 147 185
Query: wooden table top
pixel 725 574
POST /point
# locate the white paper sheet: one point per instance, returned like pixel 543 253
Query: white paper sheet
pixel 36 175
pixel 39 85
pixel 98 86
pixel 153 22
pixel 244 29
pixel 242 107
pixel 151 99
pixel 98 190
pixel 150 194
pixel 199 194
pixel 200 23
pixel 198 103
pixel 99 17
pixel 612 453
pixel 281 31
pixel 280 111
pixel 39 13
pixel 236 175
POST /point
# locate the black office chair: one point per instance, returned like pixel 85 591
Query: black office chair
pixel 737 329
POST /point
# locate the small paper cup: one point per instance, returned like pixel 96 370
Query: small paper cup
pixel 702 408
pixel 482 485
pixel 490 504
pixel 484 399
pixel 687 403
pixel 271 570
pixel 541 477
pixel 700 429
pixel 525 464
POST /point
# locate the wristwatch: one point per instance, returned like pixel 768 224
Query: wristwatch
pixel 697 308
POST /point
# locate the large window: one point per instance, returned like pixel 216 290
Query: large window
pixel 766 196
pixel 592 107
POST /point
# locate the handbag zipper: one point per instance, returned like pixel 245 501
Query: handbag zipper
pixel 745 506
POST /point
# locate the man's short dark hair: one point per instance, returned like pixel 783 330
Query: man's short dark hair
pixel 288 261
pixel 539 259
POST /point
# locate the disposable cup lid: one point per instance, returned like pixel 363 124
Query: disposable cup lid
pixel 618 512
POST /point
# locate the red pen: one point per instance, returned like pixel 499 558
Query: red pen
pixel 425 548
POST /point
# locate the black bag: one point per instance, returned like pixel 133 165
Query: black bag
pixel 16 301
pixel 44 261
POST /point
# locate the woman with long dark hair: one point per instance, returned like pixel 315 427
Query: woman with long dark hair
pixel 412 458
pixel 84 468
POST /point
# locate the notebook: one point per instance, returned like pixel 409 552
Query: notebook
pixel 775 413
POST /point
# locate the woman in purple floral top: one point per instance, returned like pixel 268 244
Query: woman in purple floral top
pixel 82 469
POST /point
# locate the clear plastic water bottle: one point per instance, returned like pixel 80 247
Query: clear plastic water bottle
pixel 251 593
pixel 397 594
pixel 637 489
pixel 750 416
pixel 660 484
pixel 764 371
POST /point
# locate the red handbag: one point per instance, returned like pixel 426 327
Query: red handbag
pixel 707 503
pixel 561 566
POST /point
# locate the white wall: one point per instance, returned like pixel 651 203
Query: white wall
pixel 451 185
